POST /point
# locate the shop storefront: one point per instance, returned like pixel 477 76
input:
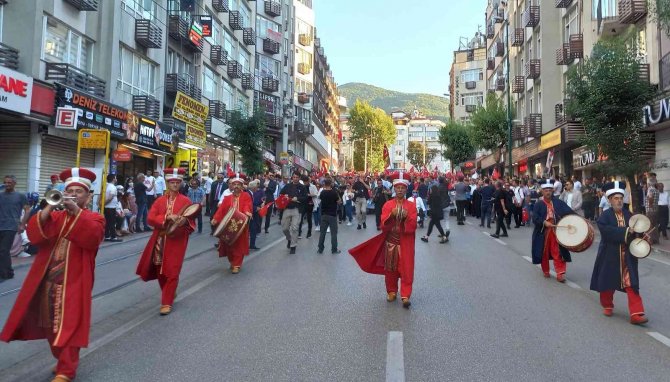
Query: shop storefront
pixel 657 118
pixel 585 163
pixel 218 154
pixel 549 143
pixel 302 165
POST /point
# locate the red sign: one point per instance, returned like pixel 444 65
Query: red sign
pixel 43 99
pixel 523 167
pixel 122 155
pixel 469 165
pixel 66 118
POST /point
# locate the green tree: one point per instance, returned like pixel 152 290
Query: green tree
pixel 660 12
pixel 489 126
pixel 415 152
pixel 374 126
pixel 457 141
pixel 248 135
pixel 607 94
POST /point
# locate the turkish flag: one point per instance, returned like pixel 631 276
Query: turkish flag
pixel 264 210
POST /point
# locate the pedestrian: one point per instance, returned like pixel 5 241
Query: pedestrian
pixel 380 196
pixel 509 204
pixel 487 202
pixel 55 300
pixel 257 201
pixel 548 211
pixel 500 208
pixel 589 199
pixel 308 208
pixel 651 208
pixel 270 190
pixel 477 200
pixel 518 200
pixel 163 255
pixel 207 182
pixel 436 214
pixel 316 215
pixel 218 187
pixel 12 205
pixel 56 184
pixel 150 184
pixel 298 195
pixel 572 197
pixel 159 183
pixel 111 205
pixel 349 197
pixel 241 201
pixel 462 191
pixel 196 195
pixel 329 199
pixel 663 201
pixel 420 206
pixel 361 191
pixel 533 197
pixel 391 253
pixel 558 186
pixel 140 190
pixel 615 267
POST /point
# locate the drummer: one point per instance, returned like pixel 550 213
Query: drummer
pixel 546 214
pixel 615 267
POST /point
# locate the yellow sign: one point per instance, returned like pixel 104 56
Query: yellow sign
pixel 93 139
pixel 283 157
pixel 188 110
pixel 196 136
pixel 551 139
pixel 184 158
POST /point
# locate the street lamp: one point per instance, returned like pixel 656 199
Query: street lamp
pixel 503 4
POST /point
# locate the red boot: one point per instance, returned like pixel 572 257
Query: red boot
pixel 608 312
pixel 560 278
pixel 638 319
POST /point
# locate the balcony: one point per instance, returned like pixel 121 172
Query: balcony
pixel 645 73
pixel 576 46
pixel 500 84
pixel 303 128
pixel 498 16
pixel 273 121
pixel 235 20
pixel 563 55
pixel 270 84
pixel 533 69
pixel 304 39
pixel 563 3
pixel 664 65
pixel 518 132
pixel 531 16
pixel 272 8
pixel 519 84
pixel 220 5
pixel 217 109
pixel 490 31
pixel 147 105
pixel 303 98
pixel 518 37
pixel 470 84
pixel 271 46
pixel 195 92
pixel 249 36
pixel 304 68
pixel 533 125
pixel 234 69
pixel 470 108
pixel 471 55
pixel 218 55
pixel 500 49
pixel 70 75
pixel 84 5
pixel 9 57
pixel 178 29
pixel 148 34
pixel 631 11
pixel 247 81
pixel 490 63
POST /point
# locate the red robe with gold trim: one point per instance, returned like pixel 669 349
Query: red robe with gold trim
pixel 174 248
pixel 370 255
pixel 245 206
pixel 74 241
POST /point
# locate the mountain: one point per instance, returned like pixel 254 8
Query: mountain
pixel 390 100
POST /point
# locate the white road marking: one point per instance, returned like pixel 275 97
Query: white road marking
pixel 660 338
pixel 658 260
pixel 395 359
pixel 468 223
pixel 500 241
pixel 569 283
pixel 528 258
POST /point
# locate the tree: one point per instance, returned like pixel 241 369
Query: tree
pixel 458 142
pixel 660 13
pixel 489 125
pixel 607 94
pixel 415 151
pixel 248 135
pixel 374 126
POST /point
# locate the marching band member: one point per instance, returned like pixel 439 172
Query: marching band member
pixel 55 299
pixel 241 201
pixel 546 214
pixel 163 256
pixel 615 267
pixel 391 253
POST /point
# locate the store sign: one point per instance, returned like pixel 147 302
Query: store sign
pixel 93 139
pixel 206 23
pixel 66 118
pixel 653 116
pixel 196 136
pixel 469 165
pixel 551 139
pixel 302 162
pixel 122 155
pixel 190 111
pixel 268 156
pixel 94 113
pixel 583 156
pixel 16 91
pixel 195 35
pixel 283 158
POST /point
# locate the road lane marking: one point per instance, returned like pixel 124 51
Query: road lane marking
pixel 491 237
pixel 528 258
pixel 468 223
pixel 658 260
pixel 569 283
pixel 395 360
pixel 500 241
pixel 660 338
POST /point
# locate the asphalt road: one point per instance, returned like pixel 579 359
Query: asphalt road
pixel 480 312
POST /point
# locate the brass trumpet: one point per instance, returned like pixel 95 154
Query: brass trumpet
pixel 56 198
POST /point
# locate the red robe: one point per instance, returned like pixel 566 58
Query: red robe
pixel 240 248
pixel 175 245
pixel 74 240
pixel 370 255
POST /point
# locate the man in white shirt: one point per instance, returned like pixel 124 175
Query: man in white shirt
pixel 558 186
pixel 160 184
pixel 663 201
pixel 207 183
pixel 150 184
pixel 518 200
pixel 576 184
pixel 111 204
pixel 604 204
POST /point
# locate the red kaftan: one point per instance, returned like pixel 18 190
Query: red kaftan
pixel 240 248
pixel 72 242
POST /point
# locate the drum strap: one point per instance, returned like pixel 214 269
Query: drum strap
pixel 625 274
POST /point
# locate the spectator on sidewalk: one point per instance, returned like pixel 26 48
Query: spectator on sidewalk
pixel 197 196
pixel 589 199
pixel 55 184
pixel 207 182
pixel 663 201
pixel 141 199
pixel 159 182
pixel 129 207
pixel 12 204
pixel 572 197
pixel 111 204
pixel 150 184
pixel 462 191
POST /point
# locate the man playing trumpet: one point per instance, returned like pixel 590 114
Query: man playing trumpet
pixel 163 256
pixel 615 267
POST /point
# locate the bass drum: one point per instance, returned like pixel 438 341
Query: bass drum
pixel 231 227
pixel 574 233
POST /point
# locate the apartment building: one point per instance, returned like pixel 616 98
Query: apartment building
pixel 416 127
pixel 467 86
pixel 325 110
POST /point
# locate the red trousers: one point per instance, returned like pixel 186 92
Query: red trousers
pixel 168 289
pixel 392 284
pixel 68 358
pixel 235 259
pixel 551 250
pixel 635 306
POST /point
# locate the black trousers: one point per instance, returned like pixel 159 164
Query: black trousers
pixel 508 217
pixel 518 215
pixel 328 221
pixel 6 241
pixel 589 210
pixel 500 222
pixel 436 223
pixel 306 215
pixel 663 220
pixel 268 217
pixel 378 215
pixel 110 223
pixel 460 210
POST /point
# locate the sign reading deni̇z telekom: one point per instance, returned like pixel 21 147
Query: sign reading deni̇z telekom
pixel 16 91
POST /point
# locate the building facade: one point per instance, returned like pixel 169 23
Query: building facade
pixel 467 87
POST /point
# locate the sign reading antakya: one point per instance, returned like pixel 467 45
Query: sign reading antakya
pixel 16 91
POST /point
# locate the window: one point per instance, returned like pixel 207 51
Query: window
pixel 303 57
pixel 229 44
pixel 140 9
pixel 608 9
pixel 472 75
pixel 245 18
pixel 302 86
pixel 215 38
pixel 209 83
pixel 304 28
pixel 62 44
pixel 242 103
pixel 472 98
pixel 263 25
pixel 178 64
pixel 245 60
pixel 228 96
pixel 267 67
pixel 137 75
pixel 270 104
